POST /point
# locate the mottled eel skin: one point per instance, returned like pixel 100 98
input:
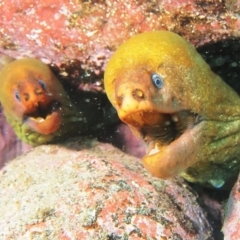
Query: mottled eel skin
pixel 35 102
pixel 188 117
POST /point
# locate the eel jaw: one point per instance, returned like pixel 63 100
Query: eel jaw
pixel 45 120
pixel 170 139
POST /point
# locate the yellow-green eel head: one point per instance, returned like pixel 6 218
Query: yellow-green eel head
pixel 188 116
pixel 34 101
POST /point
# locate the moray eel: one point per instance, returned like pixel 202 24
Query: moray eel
pixel 34 102
pixel 187 115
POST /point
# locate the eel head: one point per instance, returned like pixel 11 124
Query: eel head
pixel 36 105
pixel 148 106
pixel 33 100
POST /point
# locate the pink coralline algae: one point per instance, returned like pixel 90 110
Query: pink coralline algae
pixel 89 31
pixel 89 190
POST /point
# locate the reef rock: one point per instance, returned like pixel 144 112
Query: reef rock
pixel 89 190
pixel 10 145
pixel 232 218
pixel 89 31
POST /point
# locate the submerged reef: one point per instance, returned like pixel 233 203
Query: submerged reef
pixel 91 190
pixel 232 218
pixel 10 146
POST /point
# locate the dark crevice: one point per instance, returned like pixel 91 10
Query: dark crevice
pixel 224 59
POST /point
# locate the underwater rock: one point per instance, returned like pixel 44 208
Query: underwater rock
pixel 10 145
pixel 128 142
pixel 232 218
pixel 233 5
pixel 5 59
pixel 88 31
pixel 90 190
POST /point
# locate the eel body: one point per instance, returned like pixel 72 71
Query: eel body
pixel 34 102
pixel 188 116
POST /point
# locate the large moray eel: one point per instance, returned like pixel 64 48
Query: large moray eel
pixel 35 103
pixel 187 115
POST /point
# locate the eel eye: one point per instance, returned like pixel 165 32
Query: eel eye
pixel 42 84
pixel 157 80
pixel 17 95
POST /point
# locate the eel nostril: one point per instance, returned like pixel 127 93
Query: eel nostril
pixel 119 100
pixel 138 94
pixel 26 96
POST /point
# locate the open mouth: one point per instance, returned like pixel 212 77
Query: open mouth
pixel 160 129
pixel 44 119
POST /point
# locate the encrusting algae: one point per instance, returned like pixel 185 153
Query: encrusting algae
pixel 187 115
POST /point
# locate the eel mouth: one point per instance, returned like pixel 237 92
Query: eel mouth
pixel 44 119
pixel 160 129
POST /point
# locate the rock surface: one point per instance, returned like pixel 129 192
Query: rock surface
pixel 89 190
pixel 89 31
pixel 232 218
pixel 10 145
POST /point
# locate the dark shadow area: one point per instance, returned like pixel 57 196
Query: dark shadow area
pixel 85 90
pixel 224 59
pixel 213 202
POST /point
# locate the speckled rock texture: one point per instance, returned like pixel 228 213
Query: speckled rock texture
pixel 231 224
pixel 10 145
pixel 89 31
pixel 89 190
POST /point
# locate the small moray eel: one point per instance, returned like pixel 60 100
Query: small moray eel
pixel 34 102
pixel 187 115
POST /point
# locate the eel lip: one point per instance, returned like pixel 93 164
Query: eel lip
pixel 45 121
